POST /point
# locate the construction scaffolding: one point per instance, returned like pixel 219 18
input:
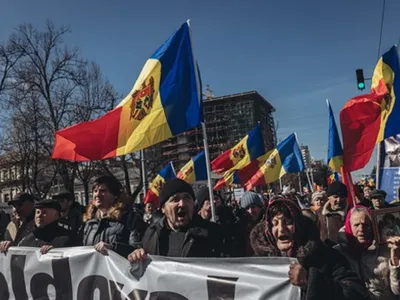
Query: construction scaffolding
pixel 228 119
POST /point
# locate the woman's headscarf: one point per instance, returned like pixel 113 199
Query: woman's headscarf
pixel 296 215
pixel 354 246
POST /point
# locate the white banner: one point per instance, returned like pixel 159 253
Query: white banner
pixel 81 273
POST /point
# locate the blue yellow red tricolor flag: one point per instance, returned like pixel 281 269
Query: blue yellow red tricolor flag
pixel 248 149
pixel 335 150
pixel 333 177
pixel 164 101
pixel 368 119
pixel 285 158
pixel 228 179
pixel 194 170
pixel 152 195
pixel 241 176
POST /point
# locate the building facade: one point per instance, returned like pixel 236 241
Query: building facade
pixel 305 152
pixel 12 181
pixel 228 119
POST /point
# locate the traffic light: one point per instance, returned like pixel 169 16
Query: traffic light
pixel 360 79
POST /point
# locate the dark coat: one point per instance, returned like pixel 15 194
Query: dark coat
pixel 329 275
pixel 52 234
pixel 124 235
pixel 330 223
pixel 4 220
pixel 15 233
pixel 73 221
pixel 203 239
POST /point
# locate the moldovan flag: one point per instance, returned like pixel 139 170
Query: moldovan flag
pixel 194 170
pixel 164 101
pixel 228 179
pixel 333 177
pixel 285 158
pixel 240 176
pixel 248 149
pixel 168 172
pixel 335 150
pixel 368 119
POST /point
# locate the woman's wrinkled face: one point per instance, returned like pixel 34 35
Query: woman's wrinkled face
pixel 361 227
pixel 283 232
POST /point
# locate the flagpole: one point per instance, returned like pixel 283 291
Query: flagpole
pixel 308 175
pixel 203 126
pixel 300 188
pixel 350 184
pixel 378 165
pixel 144 177
pixel 208 164
pixel 312 179
pixel 309 182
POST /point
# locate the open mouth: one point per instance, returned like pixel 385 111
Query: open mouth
pixel 181 214
pixel 284 239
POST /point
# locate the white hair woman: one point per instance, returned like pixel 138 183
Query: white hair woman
pixel 380 273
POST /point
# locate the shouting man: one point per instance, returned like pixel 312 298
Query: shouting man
pixel 180 233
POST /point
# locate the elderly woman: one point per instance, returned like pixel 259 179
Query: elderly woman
pixel 379 273
pixel 318 199
pixel 321 272
pixel 109 224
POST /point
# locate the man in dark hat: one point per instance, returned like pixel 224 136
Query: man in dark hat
pixel 332 215
pixel 378 199
pixel 180 233
pixel 47 233
pixel 71 214
pixel 22 222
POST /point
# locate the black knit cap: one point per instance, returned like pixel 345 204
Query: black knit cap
pixel 48 203
pixel 203 194
pixel 337 188
pixel 172 187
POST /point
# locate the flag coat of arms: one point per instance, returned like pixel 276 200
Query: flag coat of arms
pixel 152 195
pixel 248 149
pixel 241 176
pixel 285 158
pixel 194 170
pixel 164 101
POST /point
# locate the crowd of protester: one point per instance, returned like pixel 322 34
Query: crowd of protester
pixel 338 255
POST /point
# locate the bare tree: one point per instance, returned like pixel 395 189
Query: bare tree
pixel 52 87
pixel 94 97
pixel 24 148
pixel 9 56
pixel 51 73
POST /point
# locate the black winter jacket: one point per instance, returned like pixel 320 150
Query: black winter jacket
pixel 329 275
pixel 52 234
pixel 203 239
pixel 73 221
pixel 123 235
